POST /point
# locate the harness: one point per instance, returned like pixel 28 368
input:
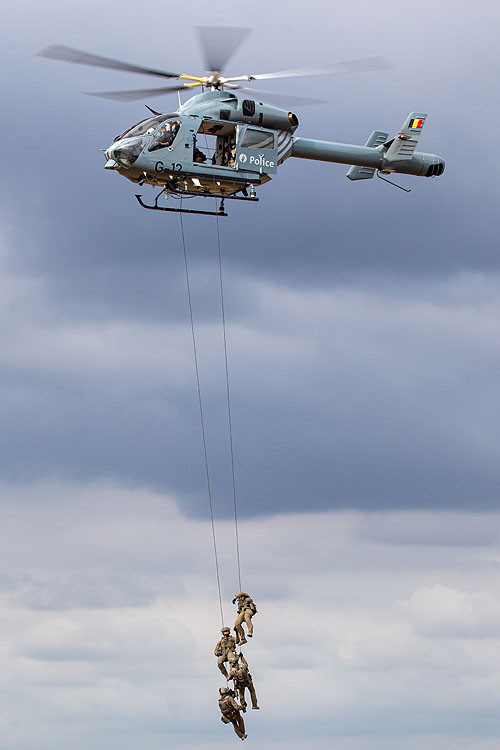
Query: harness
pixel 226 645
pixel 227 709
pixel 242 677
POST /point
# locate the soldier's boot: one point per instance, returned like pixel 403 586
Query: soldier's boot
pixel 238 731
pixel 244 736
pixel 236 636
pixel 244 707
pixel 256 706
pixel 243 640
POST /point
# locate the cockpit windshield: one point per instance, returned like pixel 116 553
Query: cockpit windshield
pixel 145 127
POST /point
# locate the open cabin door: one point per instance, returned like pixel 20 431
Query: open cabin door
pixel 215 144
pixel 256 150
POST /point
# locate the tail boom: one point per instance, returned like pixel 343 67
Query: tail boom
pixel 420 164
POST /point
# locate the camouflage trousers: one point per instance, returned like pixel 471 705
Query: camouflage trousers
pixel 238 724
pixel 240 687
pixel 246 615
pixel 229 656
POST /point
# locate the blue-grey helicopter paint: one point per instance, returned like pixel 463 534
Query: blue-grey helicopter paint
pixel 225 145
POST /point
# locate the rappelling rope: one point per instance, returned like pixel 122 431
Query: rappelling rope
pixel 201 418
pixel 228 403
pixel 230 424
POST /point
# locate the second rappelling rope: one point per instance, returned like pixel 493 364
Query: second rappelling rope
pixel 202 419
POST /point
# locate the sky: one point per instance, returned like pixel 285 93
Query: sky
pixel 362 336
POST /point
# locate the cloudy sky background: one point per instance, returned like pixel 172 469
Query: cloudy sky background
pixel 363 329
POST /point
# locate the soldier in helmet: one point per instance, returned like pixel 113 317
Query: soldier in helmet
pixel 225 650
pixel 243 679
pixel 230 711
pixel 246 610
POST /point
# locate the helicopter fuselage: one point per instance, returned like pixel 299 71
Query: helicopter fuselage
pixel 217 144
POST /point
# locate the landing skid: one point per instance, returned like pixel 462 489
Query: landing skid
pixel 156 207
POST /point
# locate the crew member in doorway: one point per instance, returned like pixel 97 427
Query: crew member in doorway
pixel 199 156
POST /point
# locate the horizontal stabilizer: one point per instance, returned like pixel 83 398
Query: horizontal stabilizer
pixel 377 138
pixel 404 144
pixel 360 173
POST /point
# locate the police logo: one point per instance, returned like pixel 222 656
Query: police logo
pixel 243 158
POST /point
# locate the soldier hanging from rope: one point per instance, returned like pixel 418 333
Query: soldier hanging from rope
pixel 246 610
pixel 230 711
pixel 243 679
pixel 225 651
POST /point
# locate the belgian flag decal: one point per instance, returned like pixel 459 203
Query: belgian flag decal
pixel 416 123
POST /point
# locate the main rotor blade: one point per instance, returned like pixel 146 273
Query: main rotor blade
pixel 281 99
pixel 68 54
pixel 350 66
pixel 130 96
pixel 219 43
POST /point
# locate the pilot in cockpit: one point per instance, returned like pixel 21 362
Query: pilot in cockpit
pixel 165 136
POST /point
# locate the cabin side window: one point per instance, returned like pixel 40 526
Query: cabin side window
pixel 257 139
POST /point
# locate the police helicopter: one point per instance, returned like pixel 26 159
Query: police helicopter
pixel 223 144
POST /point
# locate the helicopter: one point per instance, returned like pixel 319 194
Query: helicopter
pixel 224 145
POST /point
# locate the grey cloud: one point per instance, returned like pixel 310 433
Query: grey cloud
pixel 441 611
pixel 350 397
pixel 440 228
pixel 362 329
pixel 429 529
pixel 387 642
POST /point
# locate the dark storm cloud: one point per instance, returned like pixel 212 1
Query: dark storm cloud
pixel 364 385
pixel 320 419
pixel 443 226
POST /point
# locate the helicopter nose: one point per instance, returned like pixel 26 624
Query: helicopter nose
pixel 126 151
pixel 110 161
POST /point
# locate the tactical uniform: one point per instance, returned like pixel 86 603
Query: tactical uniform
pixel 243 679
pixel 230 711
pixel 225 650
pixel 246 610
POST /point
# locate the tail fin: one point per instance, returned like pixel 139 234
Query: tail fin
pixel 404 144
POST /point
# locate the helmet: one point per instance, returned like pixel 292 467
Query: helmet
pixel 225 630
pixel 224 690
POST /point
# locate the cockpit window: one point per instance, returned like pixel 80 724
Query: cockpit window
pixel 145 127
pixel 165 135
pixel 257 139
pixel 129 151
